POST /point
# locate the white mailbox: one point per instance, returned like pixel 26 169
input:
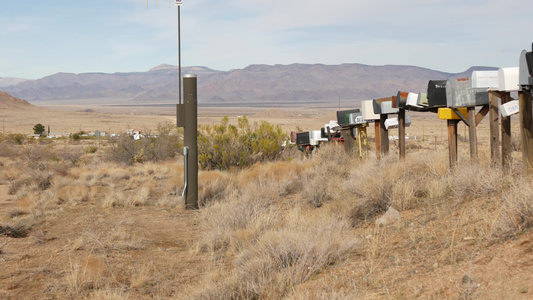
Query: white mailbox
pixel 412 99
pixel 386 108
pixel 422 99
pixel 394 122
pixel 508 79
pixel 510 108
pixel 523 72
pixel 485 79
pixel 333 125
pixel 315 137
pixel 368 110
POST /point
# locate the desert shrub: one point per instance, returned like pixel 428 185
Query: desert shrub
pixel 224 146
pixel 17 138
pixel 125 150
pixel 91 149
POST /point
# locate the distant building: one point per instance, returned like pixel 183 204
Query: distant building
pixel 56 135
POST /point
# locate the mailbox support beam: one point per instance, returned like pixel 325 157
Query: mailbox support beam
pixel 526 129
pixel 401 132
pixel 452 142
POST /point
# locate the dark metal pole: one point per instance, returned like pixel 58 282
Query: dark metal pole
pixel 179 55
pixel 190 99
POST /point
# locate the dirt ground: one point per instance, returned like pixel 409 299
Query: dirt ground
pixel 50 263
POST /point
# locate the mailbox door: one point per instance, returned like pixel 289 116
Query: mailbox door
pixel 386 108
pixel 411 99
pixel 368 110
pixel 401 100
pixel 422 99
pixel 302 138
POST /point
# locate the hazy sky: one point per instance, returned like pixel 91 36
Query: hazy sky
pixel 40 38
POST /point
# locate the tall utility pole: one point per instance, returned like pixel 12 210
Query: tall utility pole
pixel 179 3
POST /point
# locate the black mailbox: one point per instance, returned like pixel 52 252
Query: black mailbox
pixel 436 93
pixel 302 138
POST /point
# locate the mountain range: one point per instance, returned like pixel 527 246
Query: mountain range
pixel 255 83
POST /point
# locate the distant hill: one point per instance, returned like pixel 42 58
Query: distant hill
pixel 7 81
pixel 255 83
pixel 9 102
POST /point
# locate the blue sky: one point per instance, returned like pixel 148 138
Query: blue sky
pixel 40 38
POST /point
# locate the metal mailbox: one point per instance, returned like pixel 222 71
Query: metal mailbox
pixel 386 108
pixel 459 93
pixel 342 115
pixel 485 79
pixel 525 69
pixel 401 100
pixel 445 113
pixel 355 118
pixel 315 137
pixel 436 93
pixel 508 79
pixel 303 138
pixel 422 99
pixel 368 110
pixel 377 104
pixel 412 99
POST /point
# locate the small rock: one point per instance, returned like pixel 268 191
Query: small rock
pixel 390 217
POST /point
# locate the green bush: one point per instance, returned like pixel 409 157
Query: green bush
pixel 224 146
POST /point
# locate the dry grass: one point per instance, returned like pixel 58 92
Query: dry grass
pixel 292 229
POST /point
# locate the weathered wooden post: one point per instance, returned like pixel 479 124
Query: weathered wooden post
pixel 384 135
pixel 494 128
pixel 401 132
pixel 452 142
pixel 472 132
pixel 526 117
pixel 506 135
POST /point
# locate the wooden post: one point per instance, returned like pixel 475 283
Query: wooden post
pixel 472 132
pixel 363 141
pixel 506 136
pixel 401 132
pixel 377 133
pixel 452 142
pixel 349 140
pixel 384 134
pixel 526 130
pixel 494 129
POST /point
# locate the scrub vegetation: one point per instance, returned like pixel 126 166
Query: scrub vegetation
pixel 105 224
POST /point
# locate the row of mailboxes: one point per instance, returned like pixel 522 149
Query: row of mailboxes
pixel 505 79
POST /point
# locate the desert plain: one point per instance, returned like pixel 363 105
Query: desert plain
pixel 76 226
